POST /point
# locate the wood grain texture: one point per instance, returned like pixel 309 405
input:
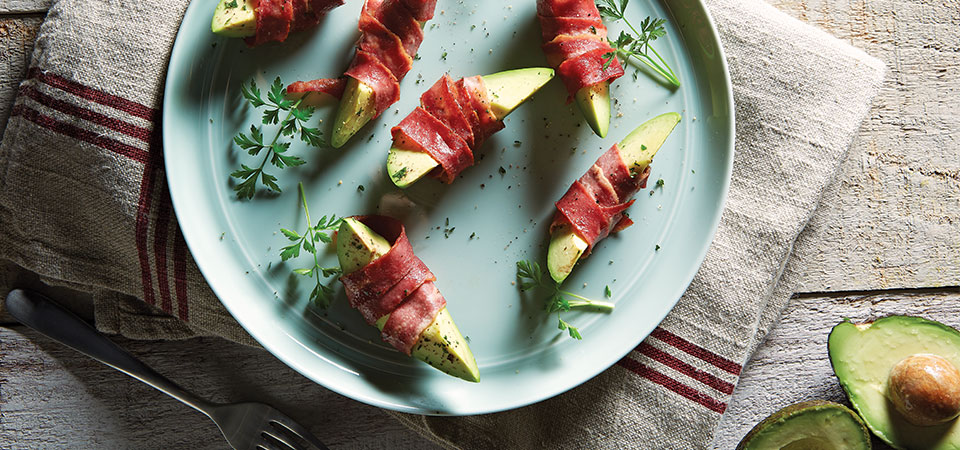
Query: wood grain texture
pixel 892 217
pixel 54 397
pixel 793 366
pixel 24 6
pixel 17 34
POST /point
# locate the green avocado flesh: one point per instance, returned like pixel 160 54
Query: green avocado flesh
pixel 507 90
pixel 356 108
pixel 636 151
pixel 440 344
pixel 234 19
pixel 594 103
pixel 862 356
pixel 816 425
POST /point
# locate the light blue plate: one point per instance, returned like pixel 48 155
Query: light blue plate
pixel 497 216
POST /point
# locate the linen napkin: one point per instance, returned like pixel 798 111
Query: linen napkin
pixel 84 203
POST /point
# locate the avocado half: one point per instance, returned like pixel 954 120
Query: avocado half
pixel 441 344
pixel 636 151
pixel 507 90
pixel 813 425
pixel 863 355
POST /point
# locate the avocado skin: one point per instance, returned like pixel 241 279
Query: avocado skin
pixel 803 409
pixel 894 430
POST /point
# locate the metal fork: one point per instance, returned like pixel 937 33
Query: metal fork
pixel 244 425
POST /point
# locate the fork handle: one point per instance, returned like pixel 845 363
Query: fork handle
pixel 42 314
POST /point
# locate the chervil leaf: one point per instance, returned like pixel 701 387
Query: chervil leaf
pixel 290 251
pixel 252 94
pixel 291 235
pixel 637 46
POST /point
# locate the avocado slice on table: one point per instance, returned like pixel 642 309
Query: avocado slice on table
pixel 877 362
pixel 507 90
pixel 440 344
pixel 594 104
pixel 814 425
pixel 636 151
pixel 234 18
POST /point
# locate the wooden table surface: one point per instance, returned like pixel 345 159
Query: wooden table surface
pixel 885 240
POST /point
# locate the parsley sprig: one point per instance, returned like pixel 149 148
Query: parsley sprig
pixel 309 240
pixel 637 45
pixel 532 276
pixel 294 122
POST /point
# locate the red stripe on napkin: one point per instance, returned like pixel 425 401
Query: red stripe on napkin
pixel 697 351
pixel 128 129
pixel 95 95
pixel 180 274
pixel 673 385
pixel 79 134
pixel 684 368
pixel 160 248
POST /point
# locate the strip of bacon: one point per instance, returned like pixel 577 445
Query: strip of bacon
pixel 595 203
pixel 575 42
pixel 277 18
pixel 397 283
pixel 390 37
pixel 454 119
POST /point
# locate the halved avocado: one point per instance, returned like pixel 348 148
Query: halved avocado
pixel 637 151
pixel 507 90
pixel 863 356
pixel 813 425
pixel 594 103
pixel 234 18
pixel 440 344
pixel 357 107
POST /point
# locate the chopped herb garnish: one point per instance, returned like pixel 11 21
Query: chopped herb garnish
pixel 400 174
pixel 660 183
pixel 656 248
pixel 360 188
pixel 606 291
pixel 232 4
pixel 531 276
pixel 502 171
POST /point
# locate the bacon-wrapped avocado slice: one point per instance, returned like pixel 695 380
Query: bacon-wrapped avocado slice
pixel 440 344
pixel 505 91
pixel 636 152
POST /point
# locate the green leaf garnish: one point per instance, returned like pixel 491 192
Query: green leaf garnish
pixel 636 45
pixel 309 240
pixel 530 276
pixel 293 122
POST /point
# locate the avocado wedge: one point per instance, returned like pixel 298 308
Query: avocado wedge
pixel 440 345
pixel 814 425
pixel 234 18
pixel 356 108
pixel 594 104
pixel 507 90
pixel 867 359
pixel 636 151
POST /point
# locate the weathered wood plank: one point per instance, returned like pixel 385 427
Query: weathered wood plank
pixel 16 43
pixel 892 218
pixel 793 366
pixel 24 6
pixel 53 397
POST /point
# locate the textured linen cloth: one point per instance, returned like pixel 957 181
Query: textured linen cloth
pixel 84 203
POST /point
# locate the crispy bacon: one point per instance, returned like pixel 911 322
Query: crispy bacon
pixel 595 203
pixel 454 118
pixel 575 43
pixel 397 283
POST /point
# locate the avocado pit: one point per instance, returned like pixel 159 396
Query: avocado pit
pixel 925 388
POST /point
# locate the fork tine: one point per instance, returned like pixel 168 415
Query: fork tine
pixel 263 443
pixel 281 438
pixel 298 430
